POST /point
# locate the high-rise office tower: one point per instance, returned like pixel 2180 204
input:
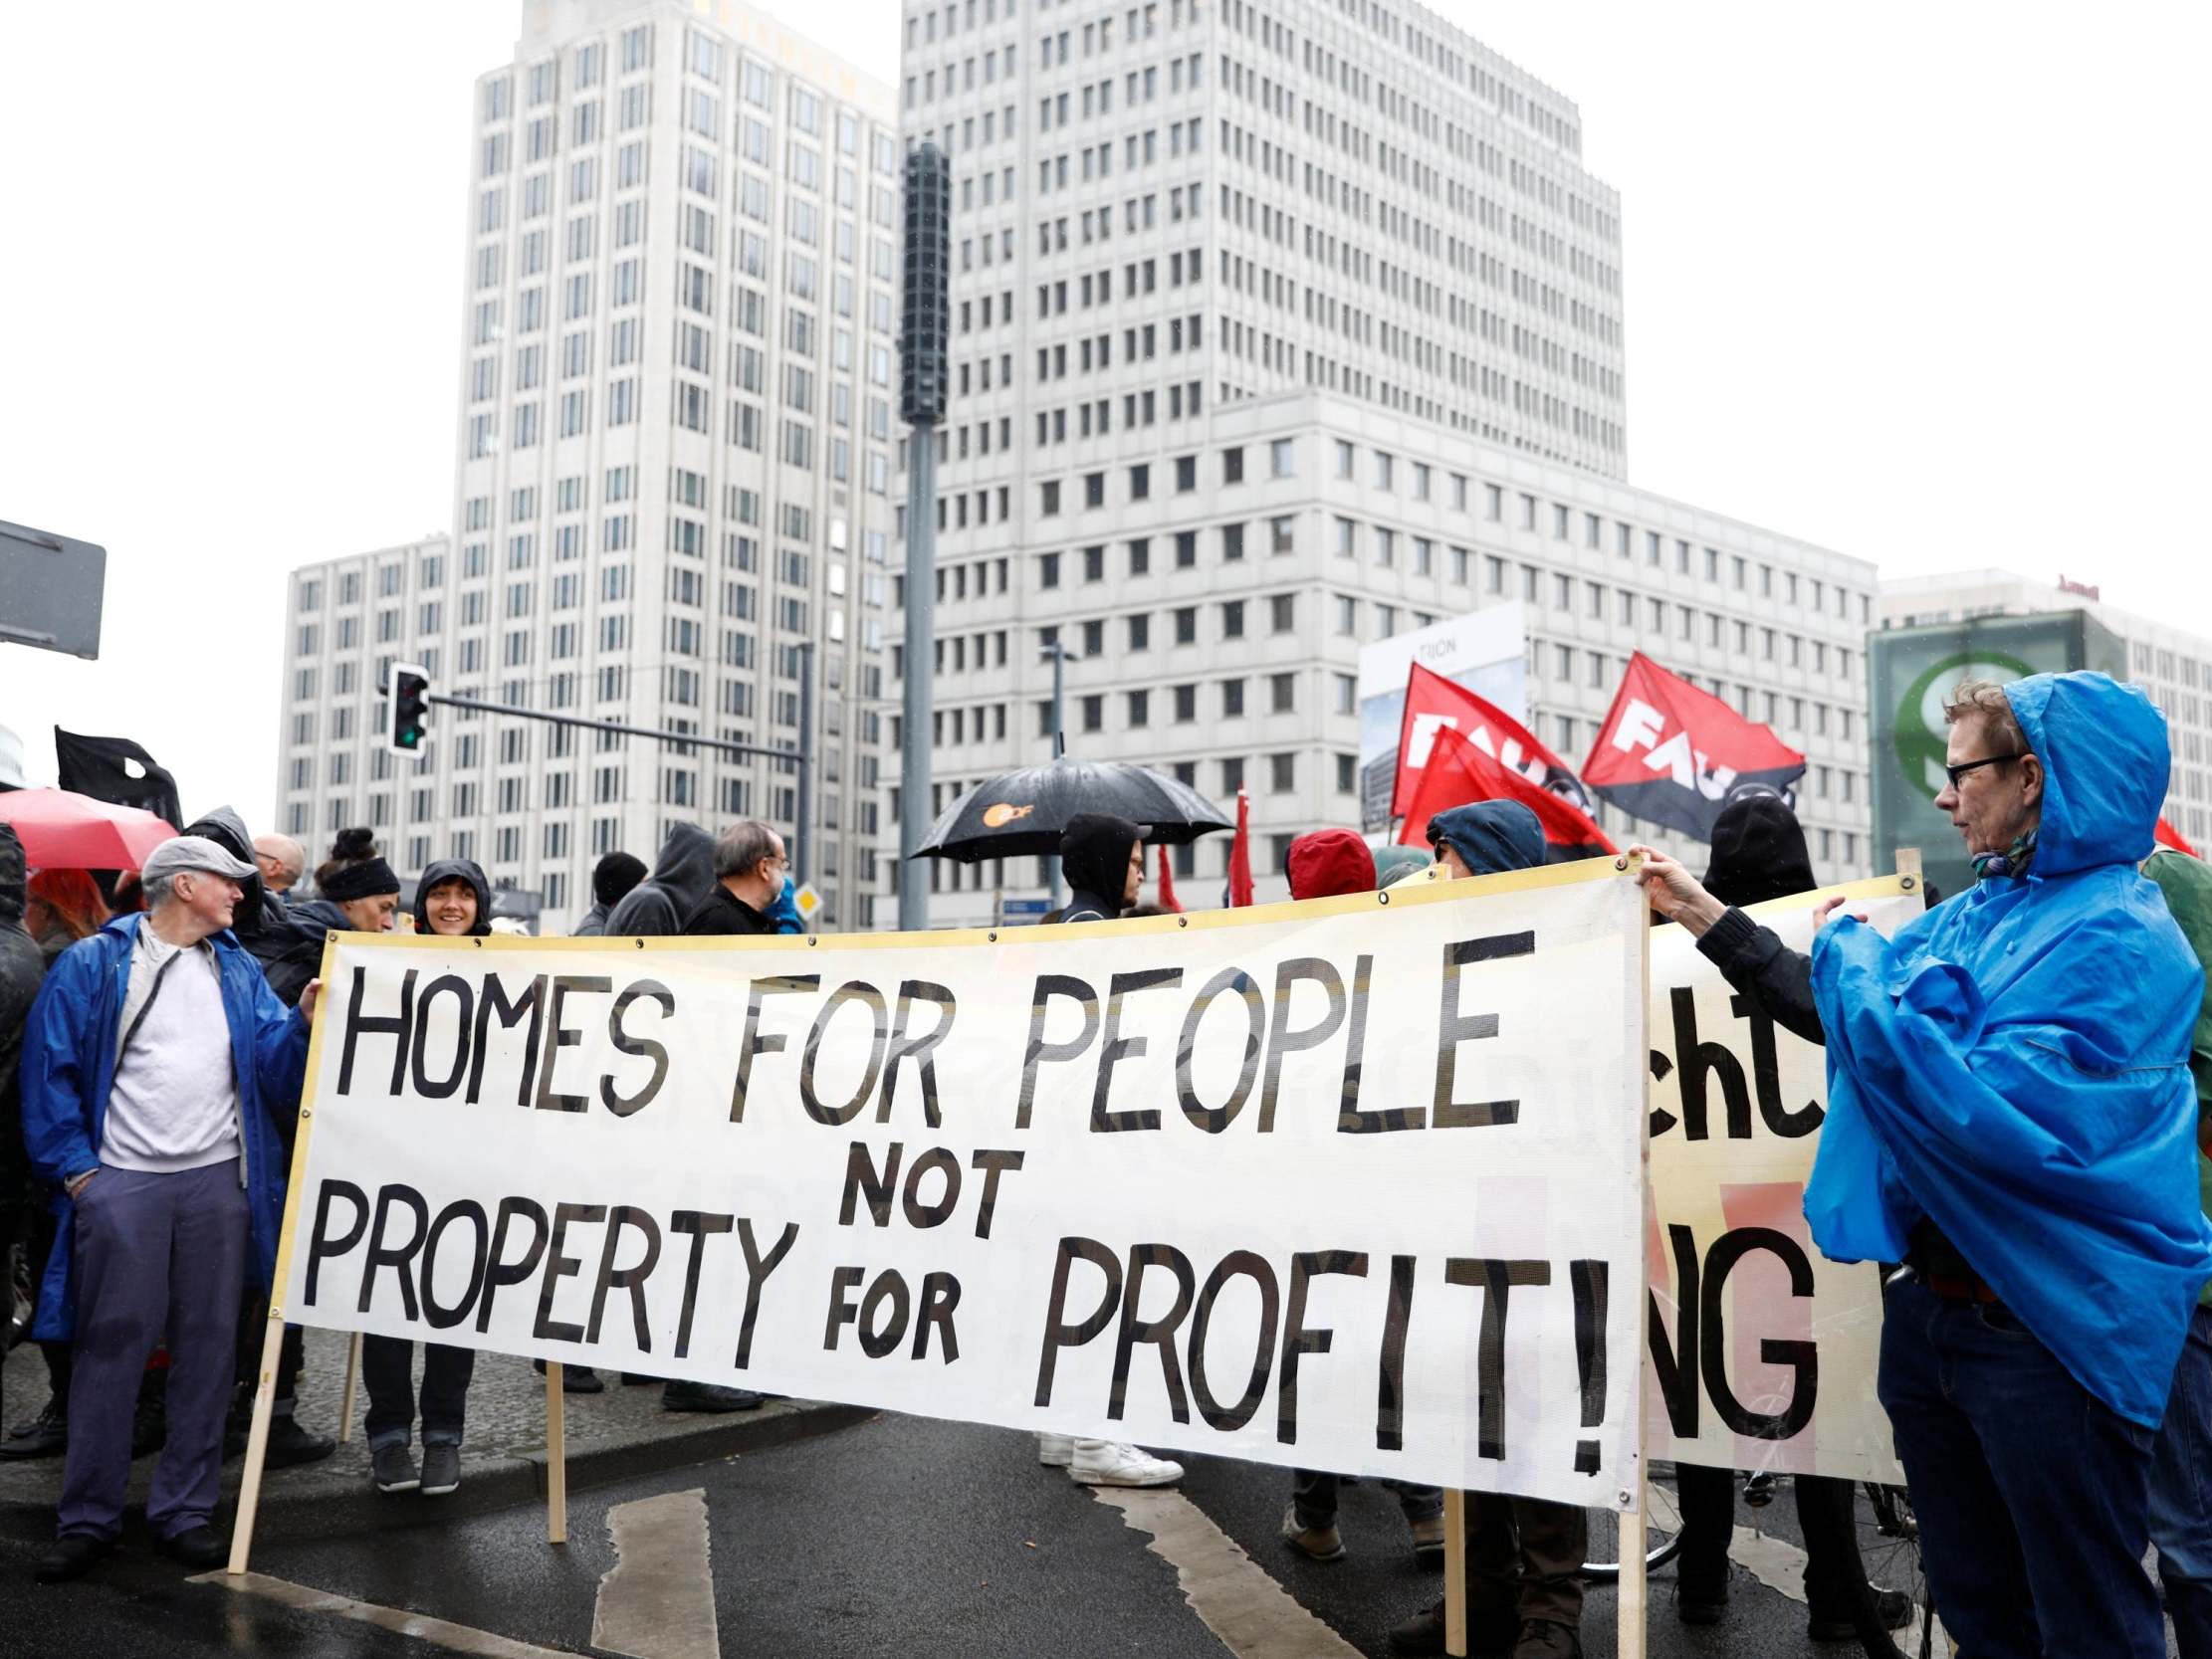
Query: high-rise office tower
pixel 1276 329
pixel 671 502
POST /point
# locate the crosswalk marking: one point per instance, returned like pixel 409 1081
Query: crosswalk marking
pixel 1780 1566
pixel 454 1638
pixel 658 1600
pixel 1233 1596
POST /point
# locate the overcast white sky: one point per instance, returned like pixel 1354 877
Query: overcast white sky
pixel 1921 283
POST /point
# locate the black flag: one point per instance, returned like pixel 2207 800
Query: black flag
pixel 101 768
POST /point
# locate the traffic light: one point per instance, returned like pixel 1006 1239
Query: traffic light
pixel 407 709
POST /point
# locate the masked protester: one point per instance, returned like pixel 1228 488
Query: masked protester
pixel 1524 1557
pixel 2011 1113
pixel 1323 864
pixel 749 867
pixel 1760 854
pixel 452 901
pixel 1103 858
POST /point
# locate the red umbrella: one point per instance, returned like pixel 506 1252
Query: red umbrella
pixel 61 830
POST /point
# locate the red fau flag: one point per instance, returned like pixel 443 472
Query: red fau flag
pixel 1673 755
pixel 2167 836
pixel 1458 772
pixel 1435 704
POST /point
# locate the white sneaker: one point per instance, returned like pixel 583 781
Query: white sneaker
pixel 1111 1463
pixel 1055 1450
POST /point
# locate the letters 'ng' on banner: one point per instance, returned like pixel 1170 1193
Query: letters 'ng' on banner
pixel 1762 1351
pixel 1354 1185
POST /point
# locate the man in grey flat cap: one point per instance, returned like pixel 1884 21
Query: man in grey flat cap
pixel 148 1064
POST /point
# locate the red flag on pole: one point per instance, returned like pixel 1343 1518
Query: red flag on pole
pixel 1458 772
pixel 1166 882
pixel 2167 836
pixel 1673 755
pixel 1435 704
pixel 1240 854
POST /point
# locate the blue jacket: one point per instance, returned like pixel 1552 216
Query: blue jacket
pixel 2015 1067
pixel 68 1065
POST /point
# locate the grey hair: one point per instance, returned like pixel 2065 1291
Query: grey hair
pixel 1985 700
pixel 160 890
pixel 742 846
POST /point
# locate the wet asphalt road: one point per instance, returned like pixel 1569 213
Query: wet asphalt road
pixel 902 1537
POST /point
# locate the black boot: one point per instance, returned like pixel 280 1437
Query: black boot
pixel 707 1396
pixel 45 1435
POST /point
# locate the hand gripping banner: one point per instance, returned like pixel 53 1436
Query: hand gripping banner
pixel 1353 1184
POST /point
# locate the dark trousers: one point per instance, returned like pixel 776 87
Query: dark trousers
pixel 2181 1494
pixel 1313 1494
pixel 154 1253
pixel 46 1231
pixel 387 1372
pixel 1834 1572
pixel 2031 1494
pixel 1527 1556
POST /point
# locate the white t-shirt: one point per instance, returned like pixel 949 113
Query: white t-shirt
pixel 175 1104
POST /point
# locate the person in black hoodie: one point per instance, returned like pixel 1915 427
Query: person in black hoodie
pixel 452 901
pixel 656 909
pixel 262 925
pixel 1103 858
pixel 1760 854
pixel 657 906
pixel 612 877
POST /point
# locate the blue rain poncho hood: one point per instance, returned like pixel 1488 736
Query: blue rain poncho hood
pixel 1490 836
pixel 2015 1066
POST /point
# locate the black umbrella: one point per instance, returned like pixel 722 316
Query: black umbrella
pixel 1022 813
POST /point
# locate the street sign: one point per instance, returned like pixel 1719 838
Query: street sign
pixel 1026 907
pixel 51 588
pixel 807 902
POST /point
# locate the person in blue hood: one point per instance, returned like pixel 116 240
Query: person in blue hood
pixel 1524 1557
pixel 2010 1109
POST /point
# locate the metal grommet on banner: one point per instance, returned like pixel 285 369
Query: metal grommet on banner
pixel 1909 883
pixel 1621 862
pixel 1382 897
pixel 641 945
pixel 991 938
pixel 307 1112
pixel 811 941
pixel 1182 922
pixel 479 943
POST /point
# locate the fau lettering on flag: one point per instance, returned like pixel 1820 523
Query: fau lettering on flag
pixel 1675 755
pixel 1435 704
pixel 1458 772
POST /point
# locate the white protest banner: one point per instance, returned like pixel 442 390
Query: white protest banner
pixel 1762 1351
pixel 1353 1184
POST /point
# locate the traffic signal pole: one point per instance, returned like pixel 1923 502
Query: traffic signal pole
pixel 477 705
pixel 923 331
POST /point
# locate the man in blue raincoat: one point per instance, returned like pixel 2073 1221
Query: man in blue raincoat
pixel 2010 1114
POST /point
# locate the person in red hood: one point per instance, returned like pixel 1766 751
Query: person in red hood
pixel 1323 864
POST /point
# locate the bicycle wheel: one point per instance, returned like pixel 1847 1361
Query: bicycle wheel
pixel 1663 1533
pixel 1889 1545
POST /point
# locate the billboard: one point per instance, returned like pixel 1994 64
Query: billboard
pixel 1911 671
pixel 1485 651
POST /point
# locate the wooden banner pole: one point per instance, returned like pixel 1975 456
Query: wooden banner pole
pixel 345 1398
pixel 556 1457
pixel 1632 1586
pixel 1455 1574
pixel 257 1443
